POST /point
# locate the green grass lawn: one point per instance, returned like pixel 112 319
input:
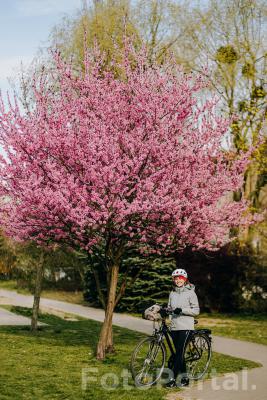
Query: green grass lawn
pixel 49 365
pixel 252 328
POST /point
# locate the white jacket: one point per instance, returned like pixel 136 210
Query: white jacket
pixel 186 299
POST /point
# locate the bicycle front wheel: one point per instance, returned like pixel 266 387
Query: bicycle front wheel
pixel 148 361
pixel 197 355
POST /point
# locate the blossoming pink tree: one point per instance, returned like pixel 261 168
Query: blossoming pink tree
pixel 119 162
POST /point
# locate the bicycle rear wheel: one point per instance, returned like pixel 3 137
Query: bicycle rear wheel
pixel 147 361
pixel 197 355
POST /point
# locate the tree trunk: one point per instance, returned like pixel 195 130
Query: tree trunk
pixel 105 340
pixel 250 193
pixel 109 343
pixel 37 292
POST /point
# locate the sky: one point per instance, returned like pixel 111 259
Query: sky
pixel 25 26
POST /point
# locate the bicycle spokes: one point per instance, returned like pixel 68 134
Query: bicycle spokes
pixel 147 362
pixel 197 356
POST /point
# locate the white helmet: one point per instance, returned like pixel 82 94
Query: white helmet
pixel 179 271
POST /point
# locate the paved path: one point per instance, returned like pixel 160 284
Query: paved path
pixel 237 386
pixel 9 318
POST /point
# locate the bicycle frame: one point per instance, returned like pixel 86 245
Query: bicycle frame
pixel 164 331
pixel 193 357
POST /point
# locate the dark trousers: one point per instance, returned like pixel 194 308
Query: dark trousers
pixel 179 338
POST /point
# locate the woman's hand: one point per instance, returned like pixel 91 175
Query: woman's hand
pixel 163 312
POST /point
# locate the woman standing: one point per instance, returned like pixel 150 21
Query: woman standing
pixel 183 300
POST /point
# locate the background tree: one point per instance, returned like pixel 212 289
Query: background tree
pixel 105 22
pixel 230 37
pixel 36 267
pixel 157 23
pixel 64 269
pixel 154 23
pixel 7 256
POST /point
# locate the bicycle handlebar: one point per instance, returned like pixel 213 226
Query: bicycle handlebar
pixel 166 311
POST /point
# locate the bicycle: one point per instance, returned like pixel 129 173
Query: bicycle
pixel 149 356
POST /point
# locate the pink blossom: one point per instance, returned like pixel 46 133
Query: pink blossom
pixel 136 159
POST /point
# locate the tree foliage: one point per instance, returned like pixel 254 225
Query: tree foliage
pixel 230 38
pixel 106 23
pixel 119 162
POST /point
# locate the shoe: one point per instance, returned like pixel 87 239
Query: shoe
pixel 171 384
pixel 184 382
